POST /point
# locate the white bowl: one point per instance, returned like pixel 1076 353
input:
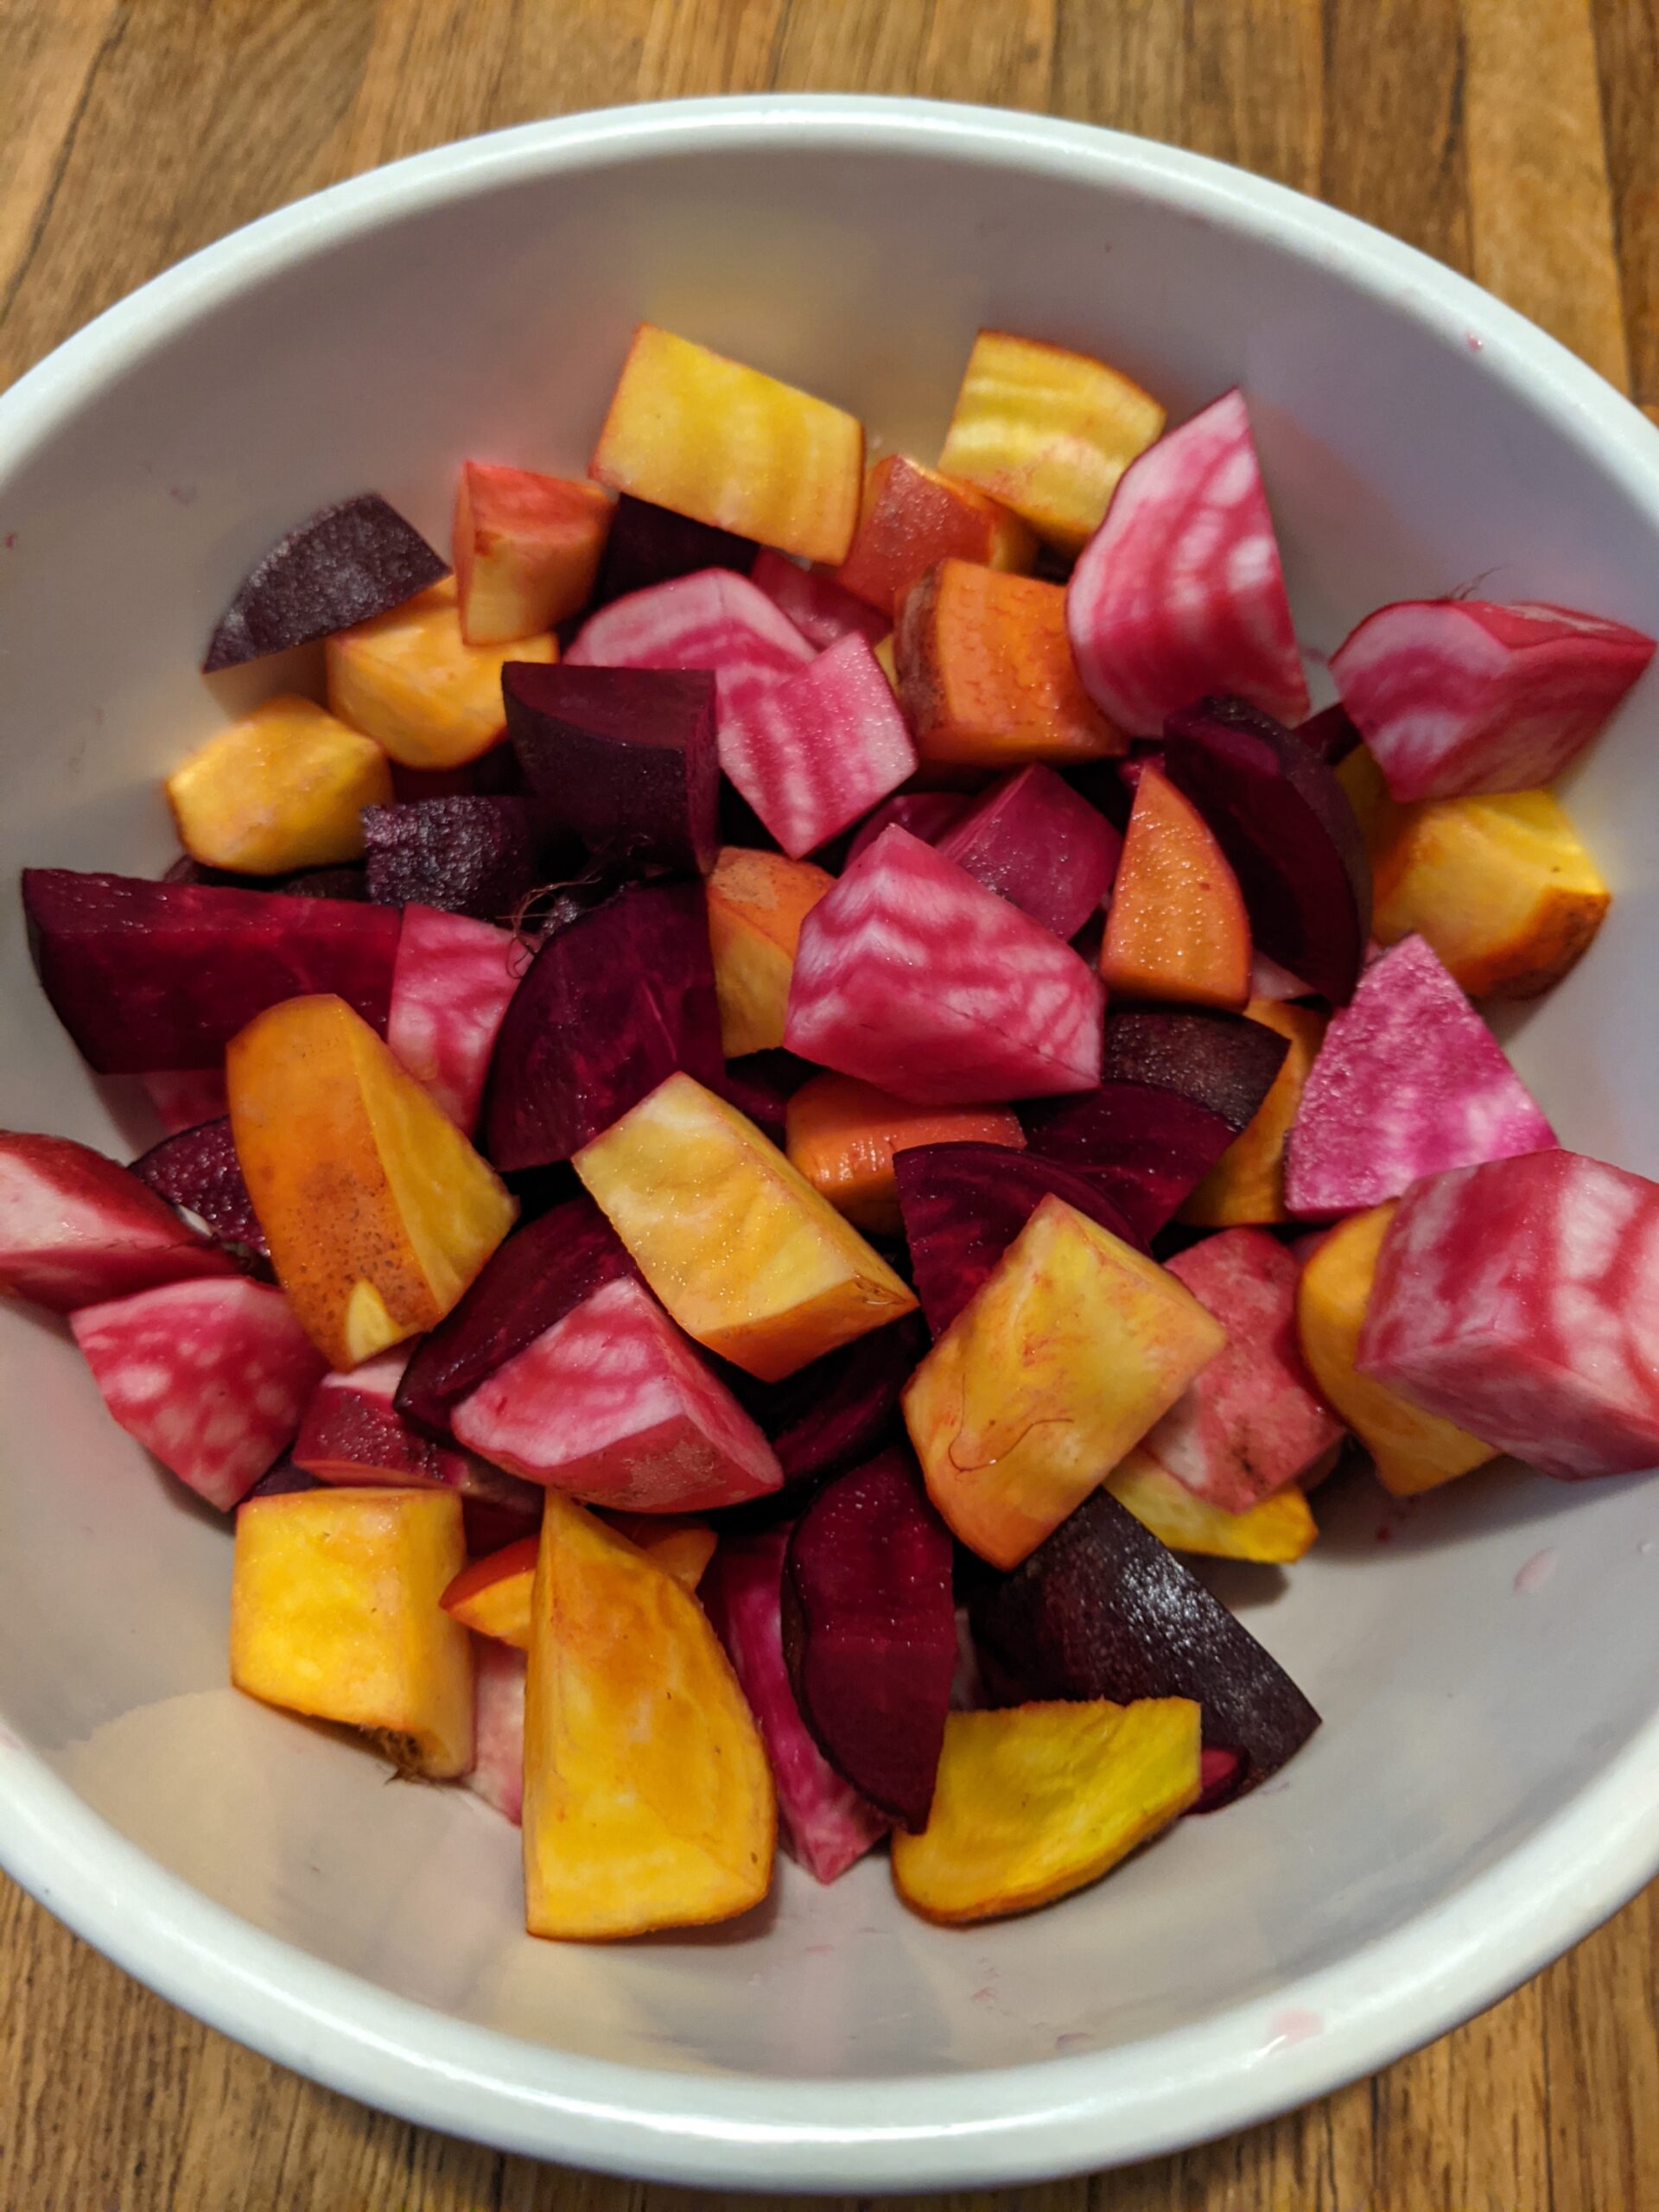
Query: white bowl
pixel 1486 1785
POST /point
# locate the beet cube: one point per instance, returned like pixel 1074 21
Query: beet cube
pixel 76 1229
pixel 712 619
pixel 347 562
pixel 449 993
pixel 819 749
pixel 199 1168
pixel 761 1084
pixel 1039 845
pixel 648 545
pixel 926 814
pixel 840 1409
pixel 468 855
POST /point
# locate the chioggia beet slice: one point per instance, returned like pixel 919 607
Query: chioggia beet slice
pixel 613 1003
pixel 648 545
pixel 451 989
pixel 712 619
pixel 466 856
pixel 497 1775
pixel 1179 592
pixel 926 814
pixel 914 976
pixel 823 610
pixel 1520 1299
pixel 822 1821
pixel 1104 1610
pixel 870 1632
pixel 198 1168
pixel 840 1409
pixel 1039 845
pixel 343 564
pixel 820 749
pixel 1248 1424
pixel 1454 696
pixel 1408 1081
pixel 76 1229
pixel 211 1376
pixel 612 1405
pixel 162 976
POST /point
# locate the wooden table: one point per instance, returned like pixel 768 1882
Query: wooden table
pixel 1515 139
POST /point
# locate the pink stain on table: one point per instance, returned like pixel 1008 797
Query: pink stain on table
pixel 1537 1571
pixel 1294 2025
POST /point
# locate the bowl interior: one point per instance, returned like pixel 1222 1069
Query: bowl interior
pixel 1404 456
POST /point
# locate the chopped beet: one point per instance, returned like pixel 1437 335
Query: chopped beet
pixel 476 856
pixel 352 1435
pixel 347 562
pixel 1333 737
pixel 815 752
pixel 712 619
pixel 449 994
pixel 1221 1060
pixel 493 774
pixel 622 758
pixel 761 1084
pixel 1220 1772
pixel 870 1632
pixel 344 882
pixel 186 1097
pixel 149 976
pixel 823 611
pixel 613 1004
pixel 926 814
pixel 283 1480
pixel 648 545
pixel 77 1229
pixel 1101 1609
pixel 1286 825
pixel 199 1168
pixel 1039 845
pixel 840 1409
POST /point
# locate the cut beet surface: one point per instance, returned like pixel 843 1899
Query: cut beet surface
pixel 761 1084
pixel 613 1004
pixel 1101 1609
pixel 870 1632
pixel 926 814
pixel 1286 825
pixel 822 611
pixel 820 749
pixel 623 758
pixel 449 994
pixel 199 1169
pixel 1039 845
pixel 838 1409
pixel 149 976
pixel 347 562
pixel 712 619
pixel 648 545
pixel 1332 735
pixel 77 1229
pixel 345 883
pixel 186 1097
pixel 964 1204
pixel 476 856
pixel 353 1436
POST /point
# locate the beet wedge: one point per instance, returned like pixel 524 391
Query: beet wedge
pixel 841 1408
pixel 343 564
pixel 77 1229
pixel 199 1169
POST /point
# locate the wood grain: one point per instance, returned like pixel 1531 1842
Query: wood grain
pixel 1513 138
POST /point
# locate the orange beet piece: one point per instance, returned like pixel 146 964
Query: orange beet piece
pixel 492 1595
pixel 986 676
pixel 411 680
pixel 1247 1184
pixel 911 518
pixel 757 902
pixel 377 1212
pixel 1177 928
pixel 842 1134
pixel 526 551
pixel 728 446
pixel 283 789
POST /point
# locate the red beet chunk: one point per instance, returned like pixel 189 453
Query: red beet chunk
pixel 870 1631
pixel 822 611
pixel 1039 845
pixel 77 1229
pixel 449 993
pixel 186 1097
pixel 1285 825
pixel 1220 1772
pixel 210 1376
pixel 926 814
pixel 345 882
pixel 1101 1609
pixel 199 1168
pixel 712 619
pixel 622 758
pixel 822 1820
pixel 761 1084
pixel 537 1276
pixel 1222 1061
pixel 1332 735
pixel 476 856
pixel 842 1408
pixel 149 976
pixel 964 1205
pixel 345 564
pixel 283 1481
pixel 818 750
pixel 648 545
pixel 352 1435
pixel 611 1005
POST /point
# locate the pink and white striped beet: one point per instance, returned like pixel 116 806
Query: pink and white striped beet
pixel 1408 1081
pixel 498 1774
pixel 450 988
pixel 76 1227
pixel 822 611
pixel 1520 1300
pixel 1455 696
pixel 1039 845
pixel 211 1376
pixel 712 618
pixel 1179 593
pixel 820 749
pixel 911 974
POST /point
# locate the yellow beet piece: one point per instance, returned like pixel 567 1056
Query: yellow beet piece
pixel 648 1801
pixel 1414 1451
pixel 1035 1801
pixel 283 789
pixel 748 1258
pixel 1278 1530
pixel 1247 1184
pixel 411 680
pixel 1048 432
pixel 757 902
pixel 680 1546
pixel 377 1210
pixel 707 437
pixel 1066 1356
pixel 334 1613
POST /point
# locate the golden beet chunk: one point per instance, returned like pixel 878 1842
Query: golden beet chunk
pixel 757 902
pixel 1246 1185
pixel 1038 1799
pixel 1276 1531
pixel 648 1801
pixel 411 680
pixel 284 788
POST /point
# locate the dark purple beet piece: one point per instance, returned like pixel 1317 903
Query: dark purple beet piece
pixel 840 1408
pixel 146 976
pixel 649 545
pixel 349 561
pixel 199 1169
pixel 1331 733
pixel 613 1004
pixel 477 856
pixel 1101 1609
pixel 494 774
pixel 1039 845
pixel 542 1273
pixel 1285 824
pixel 870 1632
pixel 926 814
pixel 1222 1060
pixel 623 757
pixel 281 1480
pixel 761 1084
pixel 964 1205
pixel 343 882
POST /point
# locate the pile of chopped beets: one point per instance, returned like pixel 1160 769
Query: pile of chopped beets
pixel 774 1112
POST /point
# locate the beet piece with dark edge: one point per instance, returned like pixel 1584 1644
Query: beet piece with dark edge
pixel 1041 845
pixel 1331 733
pixel 838 1409
pixel 870 1632
pixel 649 545
pixel 1285 824
pixel 613 1004
pixel 346 881
pixel 1101 1609
pixel 160 976
pixel 1222 1061
pixel 622 758
pixel 198 1168
pixel 964 1205
pixel 283 1481
pixel 468 855
pixel 761 1084
pixel 347 562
